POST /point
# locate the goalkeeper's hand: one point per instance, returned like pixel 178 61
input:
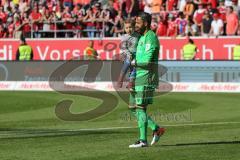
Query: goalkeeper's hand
pixel 133 63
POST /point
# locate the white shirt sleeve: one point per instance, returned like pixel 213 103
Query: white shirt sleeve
pixel 220 23
pixel 195 14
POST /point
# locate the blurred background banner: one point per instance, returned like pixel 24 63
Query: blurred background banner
pixel 108 48
pixel 184 76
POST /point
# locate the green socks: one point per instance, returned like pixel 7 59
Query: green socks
pixel 142 123
pixel 152 124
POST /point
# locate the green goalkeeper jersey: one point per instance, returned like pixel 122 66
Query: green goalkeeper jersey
pixel 147 60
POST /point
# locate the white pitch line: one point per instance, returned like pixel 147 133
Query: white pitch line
pixel 170 125
pixel 116 128
pixel 97 129
pixel 7 134
pixel 200 124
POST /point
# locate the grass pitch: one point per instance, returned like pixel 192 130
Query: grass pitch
pixel 202 126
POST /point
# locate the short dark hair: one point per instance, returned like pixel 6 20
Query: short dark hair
pixel 146 17
pixel 190 41
pixel 231 7
pixel 22 38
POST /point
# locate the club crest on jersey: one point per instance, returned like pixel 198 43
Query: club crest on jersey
pixel 148 46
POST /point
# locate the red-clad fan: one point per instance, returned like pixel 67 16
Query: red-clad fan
pixel 13 26
pixel 163 13
pixel 82 2
pixel 50 4
pixel 17 26
pixel 116 5
pixel 222 10
pixel 52 21
pixel 47 17
pixel 172 26
pixel 105 15
pixel 3 15
pixel 128 4
pixel 67 18
pixel 2 32
pixel 131 7
pixel 232 22
pixel 175 12
pixel 97 16
pixel 198 15
pixel 141 6
pixel 10 30
pixel 203 2
pixel 162 27
pixel 213 3
pixel 78 13
pixel 27 27
pixel 118 25
pixel 57 7
pixel 23 4
pixel 89 19
pixel 35 17
pixel 171 4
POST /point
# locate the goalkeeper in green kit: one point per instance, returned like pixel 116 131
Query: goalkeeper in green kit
pixel 146 81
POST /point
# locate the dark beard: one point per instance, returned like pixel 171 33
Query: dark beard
pixel 141 30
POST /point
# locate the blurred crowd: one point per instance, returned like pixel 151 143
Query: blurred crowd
pixel 104 18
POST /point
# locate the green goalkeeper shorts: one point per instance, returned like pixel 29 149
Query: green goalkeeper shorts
pixel 141 96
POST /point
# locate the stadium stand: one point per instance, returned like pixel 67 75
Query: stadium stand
pixel 104 18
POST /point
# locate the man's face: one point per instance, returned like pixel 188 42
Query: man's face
pixel 35 8
pixel 128 28
pixel 90 44
pixel 140 26
pixel 229 10
pixel 67 9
